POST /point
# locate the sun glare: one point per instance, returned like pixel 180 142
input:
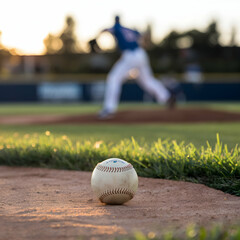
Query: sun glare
pixel 24 44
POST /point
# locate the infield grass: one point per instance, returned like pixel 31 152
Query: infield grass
pixel 192 232
pixel 198 134
pixel 81 108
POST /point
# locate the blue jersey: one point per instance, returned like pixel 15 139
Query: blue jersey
pixel 127 39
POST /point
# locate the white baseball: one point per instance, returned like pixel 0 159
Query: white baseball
pixel 114 181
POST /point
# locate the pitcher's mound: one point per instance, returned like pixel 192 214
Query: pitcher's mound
pixel 158 116
pixel 131 117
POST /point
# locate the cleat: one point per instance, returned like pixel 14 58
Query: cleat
pixel 171 103
pixel 105 114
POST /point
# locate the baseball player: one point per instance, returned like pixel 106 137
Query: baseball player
pixel 133 57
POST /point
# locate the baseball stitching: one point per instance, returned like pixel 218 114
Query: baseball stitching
pixel 114 169
pixel 116 191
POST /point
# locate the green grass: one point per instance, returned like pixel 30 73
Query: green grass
pixel 47 109
pixel 61 108
pixel 215 166
pixel 192 232
pixel 198 134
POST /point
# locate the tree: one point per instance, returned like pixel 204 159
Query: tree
pixel 213 34
pixel 68 38
pixel 198 39
pixel 4 53
pixel 233 37
pixel 52 44
pixel 170 41
pixel 65 42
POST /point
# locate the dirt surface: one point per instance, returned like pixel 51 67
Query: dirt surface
pixel 131 117
pixel 42 204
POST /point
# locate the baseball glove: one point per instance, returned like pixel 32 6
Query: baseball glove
pixel 93 45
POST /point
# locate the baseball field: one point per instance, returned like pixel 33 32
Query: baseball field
pixel 187 159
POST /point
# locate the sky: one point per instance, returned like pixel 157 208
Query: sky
pixel 25 23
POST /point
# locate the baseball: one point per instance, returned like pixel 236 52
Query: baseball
pixel 114 181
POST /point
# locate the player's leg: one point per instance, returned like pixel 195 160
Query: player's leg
pixel 149 83
pixel 114 85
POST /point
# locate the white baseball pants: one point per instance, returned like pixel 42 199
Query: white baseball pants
pixel 129 60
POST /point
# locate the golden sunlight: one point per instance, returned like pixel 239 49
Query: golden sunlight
pixel 24 44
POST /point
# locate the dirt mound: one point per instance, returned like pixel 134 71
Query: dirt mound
pixel 58 204
pixel 132 117
pixel 159 116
